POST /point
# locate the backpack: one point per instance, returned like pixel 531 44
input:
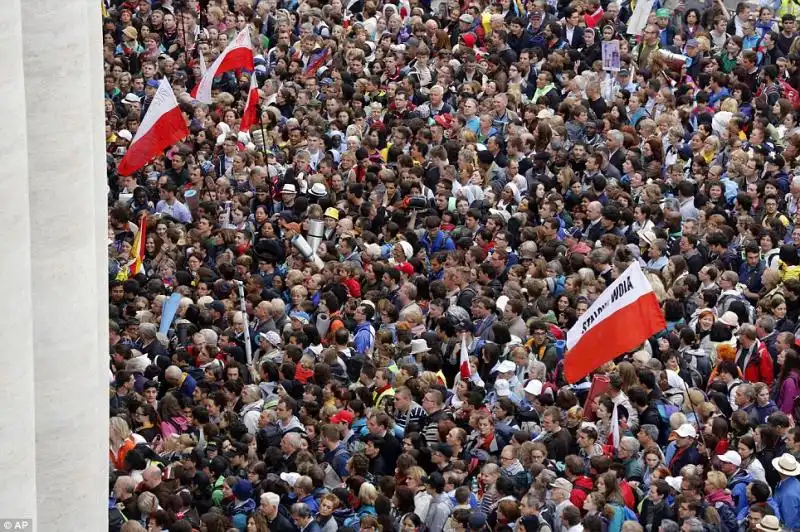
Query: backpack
pixel 796 401
pixel 269 436
pixel 727 300
pixel 665 410
pixel 628 514
pixel 790 93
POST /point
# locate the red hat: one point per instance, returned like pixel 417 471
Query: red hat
pixel 469 39
pixel 342 416
pixel 445 120
pixel 405 267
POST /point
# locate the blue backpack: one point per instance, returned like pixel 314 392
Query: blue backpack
pixel 665 411
pixel 628 514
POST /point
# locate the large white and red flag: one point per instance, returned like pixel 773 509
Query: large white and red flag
pixel 620 319
pixel 237 56
pixel 251 108
pixel 162 126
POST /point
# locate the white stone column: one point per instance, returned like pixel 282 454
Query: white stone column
pixel 60 43
pixel 17 417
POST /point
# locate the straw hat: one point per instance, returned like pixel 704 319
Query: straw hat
pixel 786 465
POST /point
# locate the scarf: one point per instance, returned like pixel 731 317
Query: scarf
pixel 541 92
pixel 720 495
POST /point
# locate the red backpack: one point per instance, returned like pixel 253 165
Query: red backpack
pixel 790 93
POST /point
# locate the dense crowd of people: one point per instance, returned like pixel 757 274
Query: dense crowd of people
pixel 428 177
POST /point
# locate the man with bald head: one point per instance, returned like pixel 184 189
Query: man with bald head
pixel 594 214
pixel 153 483
pixel 263 322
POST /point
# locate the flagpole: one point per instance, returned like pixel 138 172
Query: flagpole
pixel 697 417
pixel 264 151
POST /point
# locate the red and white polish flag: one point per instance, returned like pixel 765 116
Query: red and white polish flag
pixel 251 108
pixel 162 126
pixel 237 56
pixel 463 363
pixel 620 319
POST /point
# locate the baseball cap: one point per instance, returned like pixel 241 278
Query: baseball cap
pixel 435 480
pixel 342 416
pixel 534 387
pixel 300 315
pixel 574 232
pixel 687 431
pixel 506 366
pixel 477 521
pixel 153 83
pixel 730 457
pixel 443 448
pixel 502 388
pixel 405 267
pixel 561 483
pixel 466 18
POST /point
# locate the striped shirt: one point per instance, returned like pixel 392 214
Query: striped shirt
pixel 415 413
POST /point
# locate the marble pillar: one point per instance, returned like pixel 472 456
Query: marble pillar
pixel 54 416
pixel 17 415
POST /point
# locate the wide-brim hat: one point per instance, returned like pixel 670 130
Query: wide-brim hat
pixel 769 523
pixel 419 345
pixel 787 465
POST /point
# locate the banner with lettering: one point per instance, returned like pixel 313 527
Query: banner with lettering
pixel 620 319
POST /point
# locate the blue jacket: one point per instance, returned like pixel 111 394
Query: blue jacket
pixel 787 495
pixel 240 512
pixel 738 486
pixel 311 502
pixel 741 516
pixel 364 338
pixel 188 386
pixel 442 242
pixel 338 460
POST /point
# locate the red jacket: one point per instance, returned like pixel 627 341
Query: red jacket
pixel 759 367
pixel 581 488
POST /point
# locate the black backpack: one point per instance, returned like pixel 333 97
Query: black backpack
pixel 269 436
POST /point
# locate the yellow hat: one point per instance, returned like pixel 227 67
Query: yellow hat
pixel 332 212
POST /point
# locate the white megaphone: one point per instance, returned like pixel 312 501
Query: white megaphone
pixel 305 250
pixel 316 233
pixel 323 324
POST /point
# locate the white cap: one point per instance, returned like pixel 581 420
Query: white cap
pixel 290 478
pixel 534 387
pixel 125 134
pixel 502 388
pixel 686 430
pixel 730 457
pixel 501 303
pixel 506 366
pixel 674 483
pixel 408 251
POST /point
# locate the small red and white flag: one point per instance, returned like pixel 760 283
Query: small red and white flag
pixel 466 371
pixel 624 316
pixel 203 67
pixel 162 126
pixel 251 108
pixel 237 56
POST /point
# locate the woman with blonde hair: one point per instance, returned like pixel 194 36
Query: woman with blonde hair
pixel 628 375
pixel 422 499
pixel 120 441
pixel 367 495
pixel 715 488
